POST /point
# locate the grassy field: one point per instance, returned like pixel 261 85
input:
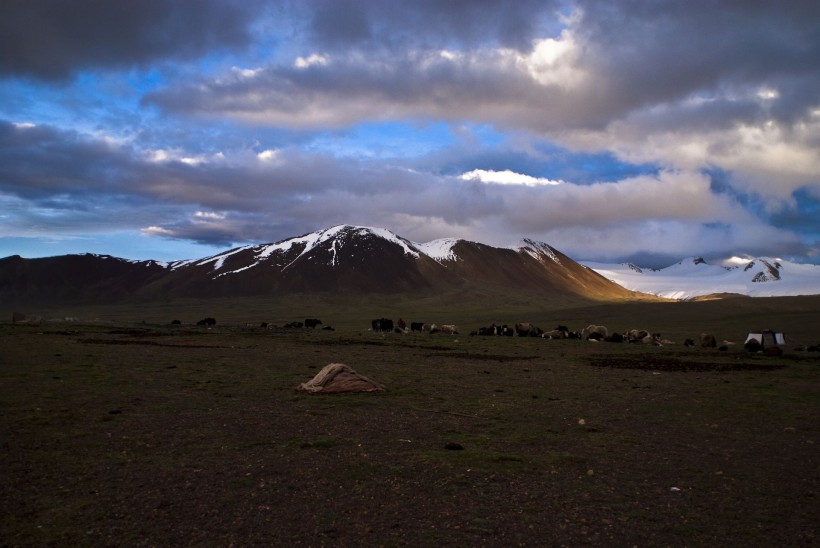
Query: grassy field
pixel 126 430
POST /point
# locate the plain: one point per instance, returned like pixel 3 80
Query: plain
pixel 122 429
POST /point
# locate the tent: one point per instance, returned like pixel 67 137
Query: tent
pixel 765 338
pixel 335 378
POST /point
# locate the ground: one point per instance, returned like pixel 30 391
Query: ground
pixel 140 434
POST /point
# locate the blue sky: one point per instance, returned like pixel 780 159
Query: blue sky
pixel 634 130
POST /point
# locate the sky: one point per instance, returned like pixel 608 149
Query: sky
pixel 631 130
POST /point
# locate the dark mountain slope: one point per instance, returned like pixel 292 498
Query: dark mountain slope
pixel 74 279
pixel 342 260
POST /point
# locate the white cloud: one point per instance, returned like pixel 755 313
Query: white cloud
pixel 209 215
pixel 268 155
pixel 554 62
pixel 160 156
pixel 314 59
pixel 156 231
pixel 506 177
pixel 768 94
pixel 246 72
pixel 682 196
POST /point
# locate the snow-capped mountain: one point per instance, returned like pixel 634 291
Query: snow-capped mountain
pixel 694 277
pixel 342 259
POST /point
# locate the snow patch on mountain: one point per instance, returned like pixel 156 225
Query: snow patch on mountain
pixel 409 247
pixel 694 277
pixel 537 250
pixel 440 250
pixel 217 260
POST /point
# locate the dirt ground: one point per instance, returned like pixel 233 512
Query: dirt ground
pixel 152 435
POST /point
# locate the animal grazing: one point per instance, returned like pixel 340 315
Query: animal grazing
pixel 636 335
pixel 641 336
pixel 429 328
pixel 312 323
pixel 560 332
pixel 382 324
pixel 416 326
pixel 487 331
pixel 449 329
pixel 526 329
pixel 707 340
pixel 555 334
pixel 206 321
pixel 594 332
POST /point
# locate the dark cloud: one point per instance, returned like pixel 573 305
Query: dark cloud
pixel 52 40
pixel 40 161
pixel 654 52
pixel 396 24
pixel 677 64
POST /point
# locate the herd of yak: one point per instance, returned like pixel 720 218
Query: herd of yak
pixel 526 329
pixel 591 332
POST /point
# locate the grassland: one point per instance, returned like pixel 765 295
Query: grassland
pixel 120 429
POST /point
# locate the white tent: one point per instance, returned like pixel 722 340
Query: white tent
pixel 766 338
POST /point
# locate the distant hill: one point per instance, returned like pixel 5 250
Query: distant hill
pixel 695 278
pixel 340 260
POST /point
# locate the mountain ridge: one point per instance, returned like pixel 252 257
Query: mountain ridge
pixel 340 259
pixel 356 260
pixel 694 277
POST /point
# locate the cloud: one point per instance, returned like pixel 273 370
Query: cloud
pixel 392 25
pixel 588 75
pixel 499 86
pixel 626 127
pixel 625 77
pixel 53 40
pixel 242 196
pixel 506 177
pixel 658 244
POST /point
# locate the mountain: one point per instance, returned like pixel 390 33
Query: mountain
pixel 693 277
pixel 340 260
pixel 92 279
